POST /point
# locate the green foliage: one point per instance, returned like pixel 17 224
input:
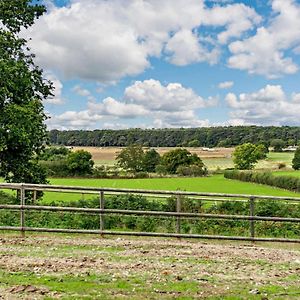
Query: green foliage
pixel 246 156
pixel 277 144
pixel 161 169
pixel 131 158
pixel 56 168
pixel 54 153
pixel 229 136
pixel 134 159
pixel 285 182
pixel 80 163
pixel 180 157
pixel 151 160
pixel 60 162
pixel 22 90
pixel 100 172
pixel 262 151
pixel 194 143
pixel 162 224
pixel 192 170
pixel 296 160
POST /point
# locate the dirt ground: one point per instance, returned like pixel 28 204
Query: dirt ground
pixel 146 268
pixel 110 153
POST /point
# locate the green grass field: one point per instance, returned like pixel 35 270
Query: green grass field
pixel 212 184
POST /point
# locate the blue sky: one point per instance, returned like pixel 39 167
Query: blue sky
pixel 184 63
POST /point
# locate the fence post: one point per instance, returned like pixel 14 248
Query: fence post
pixel 178 209
pixel 34 196
pixel 101 214
pixel 252 213
pixel 22 211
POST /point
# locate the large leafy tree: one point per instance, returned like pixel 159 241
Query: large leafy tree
pixel 151 160
pixel 22 90
pixel 296 160
pixel 180 157
pixel 277 144
pixel 131 158
pixel 245 156
pixel 80 163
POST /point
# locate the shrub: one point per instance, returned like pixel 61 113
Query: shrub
pixel 100 172
pixel 285 182
pixel 180 157
pixel 296 160
pixel 55 167
pixel 80 163
pixel 193 170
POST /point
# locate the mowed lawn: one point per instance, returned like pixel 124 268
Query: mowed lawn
pixel 211 184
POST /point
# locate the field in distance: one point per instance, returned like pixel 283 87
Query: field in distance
pixel 213 158
pixel 211 184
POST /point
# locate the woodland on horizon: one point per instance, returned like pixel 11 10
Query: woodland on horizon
pixel 174 137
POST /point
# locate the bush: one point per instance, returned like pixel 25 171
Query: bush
pixel 161 169
pixel 285 182
pixel 161 224
pixel 80 163
pixel 58 168
pixel 193 170
pixel 180 157
pixel 296 160
pixel 141 175
pixel 100 172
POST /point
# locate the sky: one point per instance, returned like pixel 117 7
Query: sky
pixel 169 63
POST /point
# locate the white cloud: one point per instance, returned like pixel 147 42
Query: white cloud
pixel 268 106
pixel 111 107
pixel 154 96
pixel 108 40
pixel 170 105
pixel 81 91
pixel 237 18
pixel 57 93
pixel 185 48
pixel 225 85
pixel 264 53
pixel 73 120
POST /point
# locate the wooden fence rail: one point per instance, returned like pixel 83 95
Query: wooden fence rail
pixel 178 214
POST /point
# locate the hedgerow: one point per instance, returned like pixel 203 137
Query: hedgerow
pixel 290 183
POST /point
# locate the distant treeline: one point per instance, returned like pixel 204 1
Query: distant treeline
pixel 192 137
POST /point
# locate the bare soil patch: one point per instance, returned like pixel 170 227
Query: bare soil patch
pixel 132 268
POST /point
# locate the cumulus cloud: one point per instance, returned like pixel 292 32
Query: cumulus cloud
pixel 265 52
pixel 185 48
pixel 268 106
pixel 225 85
pixel 237 18
pixel 57 93
pixel 171 105
pixel 81 91
pixel 108 40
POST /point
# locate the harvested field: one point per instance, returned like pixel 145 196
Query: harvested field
pixel 77 267
pixel 213 158
pixel 107 155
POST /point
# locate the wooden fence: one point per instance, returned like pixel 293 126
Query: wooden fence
pixel 178 214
